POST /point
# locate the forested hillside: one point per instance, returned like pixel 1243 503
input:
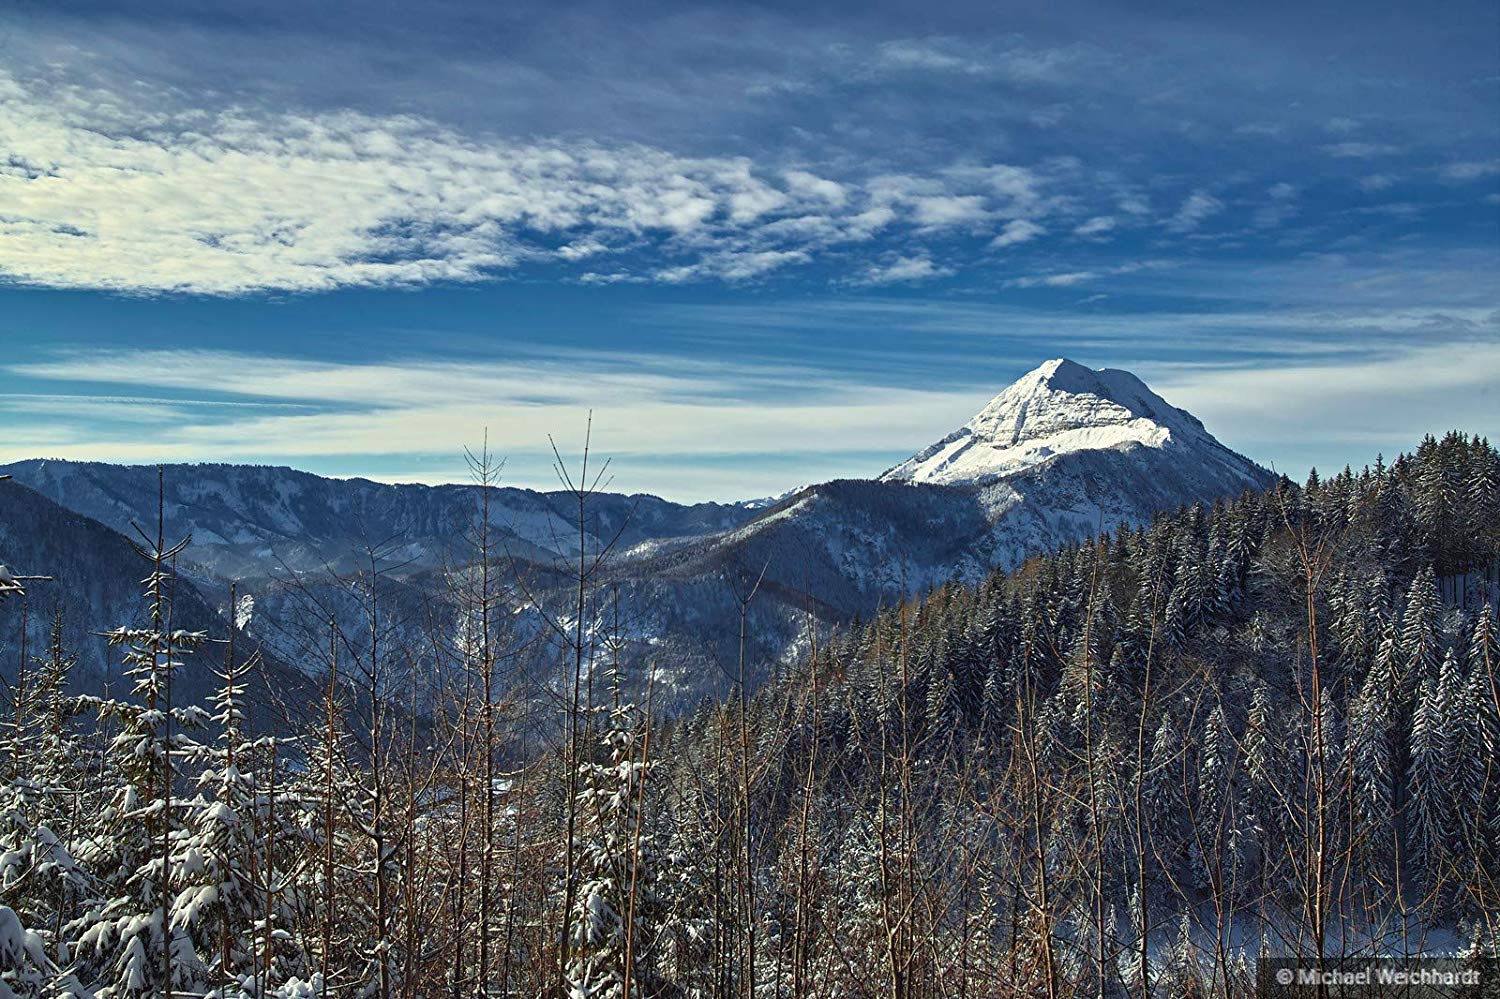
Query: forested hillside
pixel 1127 768
pixel 1265 727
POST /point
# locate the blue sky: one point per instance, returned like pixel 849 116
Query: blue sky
pixel 766 245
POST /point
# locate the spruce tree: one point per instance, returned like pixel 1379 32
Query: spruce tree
pixel 1421 630
pixel 615 849
pixel 125 934
pixel 1429 776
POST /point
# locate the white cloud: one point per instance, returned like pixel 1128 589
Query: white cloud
pixel 1020 187
pixel 945 210
pixel 1015 232
pixel 1195 209
pixel 733 265
pixel 582 250
pixel 915 267
pixel 812 186
pixel 1377 182
pixel 101 191
pixel 1096 226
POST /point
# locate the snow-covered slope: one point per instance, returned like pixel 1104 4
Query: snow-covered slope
pixel 1062 408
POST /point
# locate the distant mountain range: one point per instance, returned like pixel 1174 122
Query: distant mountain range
pixel 1062 452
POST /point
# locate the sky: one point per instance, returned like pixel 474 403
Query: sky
pixel 765 244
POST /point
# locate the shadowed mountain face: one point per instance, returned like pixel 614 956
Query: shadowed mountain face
pixel 1062 453
pixel 96 584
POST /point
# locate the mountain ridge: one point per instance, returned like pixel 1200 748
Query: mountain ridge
pixel 1062 453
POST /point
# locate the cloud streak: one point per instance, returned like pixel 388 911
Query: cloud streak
pixel 668 420
pixel 1358 404
pixel 648 409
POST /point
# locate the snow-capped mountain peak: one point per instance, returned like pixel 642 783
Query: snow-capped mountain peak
pixel 1060 407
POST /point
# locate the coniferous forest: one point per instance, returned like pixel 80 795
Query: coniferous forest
pixel 1270 726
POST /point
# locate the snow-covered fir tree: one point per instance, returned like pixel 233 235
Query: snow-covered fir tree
pixel 125 936
pixel 611 927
